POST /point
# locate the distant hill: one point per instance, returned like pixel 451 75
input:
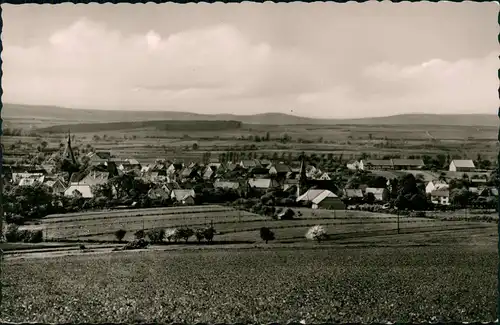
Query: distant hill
pixel 70 116
pixel 169 125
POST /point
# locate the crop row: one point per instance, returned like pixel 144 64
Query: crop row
pixel 124 215
pixel 133 211
pixel 228 226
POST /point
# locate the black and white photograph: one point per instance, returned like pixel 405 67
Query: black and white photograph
pixel 250 163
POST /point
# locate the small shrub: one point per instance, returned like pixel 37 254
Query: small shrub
pixel 139 234
pixel 136 244
pixel 316 233
pixel 172 234
pixel 200 234
pixel 266 234
pixel 35 236
pixel 120 234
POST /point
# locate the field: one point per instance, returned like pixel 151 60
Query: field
pixel 330 284
pixel 146 145
pixel 240 226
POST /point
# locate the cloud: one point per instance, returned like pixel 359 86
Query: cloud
pixel 218 69
pixel 433 86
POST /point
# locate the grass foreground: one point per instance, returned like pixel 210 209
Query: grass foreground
pixel 405 284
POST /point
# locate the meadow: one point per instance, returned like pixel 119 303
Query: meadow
pixel 313 283
pixel 146 145
pixel 234 225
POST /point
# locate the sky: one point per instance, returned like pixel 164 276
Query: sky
pixel 322 60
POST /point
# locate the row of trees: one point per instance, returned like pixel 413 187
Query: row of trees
pixel 158 235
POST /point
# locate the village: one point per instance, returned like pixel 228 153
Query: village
pixel 100 180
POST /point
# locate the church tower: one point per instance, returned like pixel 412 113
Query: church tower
pixel 302 176
pixel 68 154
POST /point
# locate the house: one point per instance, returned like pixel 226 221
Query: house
pixel 328 200
pixel 158 193
pixel 288 183
pixel 247 164
pixel 435 185
pixel 324 177
pixel 49 169
pixel 79 190
pixel 381 194
pixel 311 171
pixel 353 194
pixel 209 172
pixel 30 181
pixel 215 165
pixel 98 157
pixel 226 185
pixel 95 178
pixel 33 178
pixel 265 163
pixel 462 166
pixel 183 196
pixel 321 199
pixel 189 173
pixel 353 165
pixel 263 183
pixel 404 164
pixel 258 172
pixel 56 186
pixel 373 164
pixel 441 196
pixel 279 169
pixel 169 187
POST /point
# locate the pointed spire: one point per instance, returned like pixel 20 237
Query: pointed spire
pixel 68 151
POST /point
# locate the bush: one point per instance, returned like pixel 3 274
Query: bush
pixel 12 233
pixel 200 234
pixel 209 233
pixel 185 233
pixel 156 236
pixel 120 234
pixel 172 234
pixel 317 233
pixel 266 234
pixel 139 234
pixel 33 236
pixel 136 244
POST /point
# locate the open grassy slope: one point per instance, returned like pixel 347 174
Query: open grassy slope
pixel 313 283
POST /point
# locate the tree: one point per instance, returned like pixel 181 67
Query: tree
pixel 370 198
pixel 209 234
pixel 266 234
pixel 139 234
pixel 200 234
pixel 156 235
pixel 316 233
pixel 120 234
pixel 459 197
pixel 185 233
pixel 195 146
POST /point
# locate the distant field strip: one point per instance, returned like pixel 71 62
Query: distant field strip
pixel 152 214
pixel 137 211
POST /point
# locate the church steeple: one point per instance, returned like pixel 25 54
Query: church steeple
pixel 302 176
pixel 68 151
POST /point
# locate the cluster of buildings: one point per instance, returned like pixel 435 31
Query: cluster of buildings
pixel 175 180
